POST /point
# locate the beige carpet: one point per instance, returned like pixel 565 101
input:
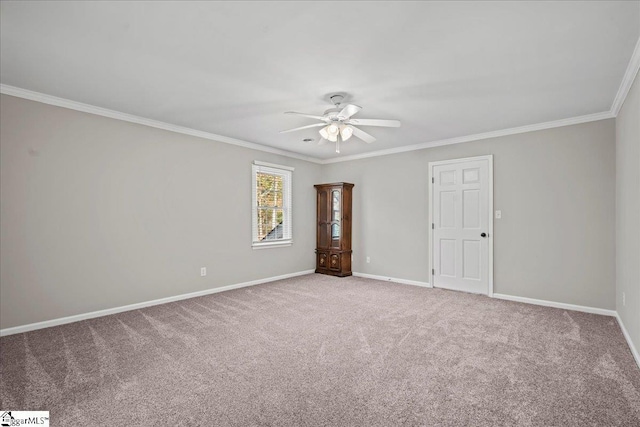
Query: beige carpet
pixel 323 351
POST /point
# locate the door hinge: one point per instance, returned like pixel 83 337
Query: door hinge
pixel 433 180
pixel 433 226
pixel 433 271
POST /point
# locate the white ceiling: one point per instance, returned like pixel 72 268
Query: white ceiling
pixel 444 69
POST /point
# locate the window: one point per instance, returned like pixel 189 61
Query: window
pixel 271 195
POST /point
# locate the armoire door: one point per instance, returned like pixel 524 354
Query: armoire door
pixel 324 222
pixel 335 214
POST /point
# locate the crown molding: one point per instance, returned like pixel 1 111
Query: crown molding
pixel 627 80
pixel 91 109
pixel 479 136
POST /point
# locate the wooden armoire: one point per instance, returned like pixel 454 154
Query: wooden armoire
pixel 333 233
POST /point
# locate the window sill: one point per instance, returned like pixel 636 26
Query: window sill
pixel 271 245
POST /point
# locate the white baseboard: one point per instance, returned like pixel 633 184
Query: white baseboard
pixel 633 349
pixel 108 311
pixel 554 304
pixel 393 279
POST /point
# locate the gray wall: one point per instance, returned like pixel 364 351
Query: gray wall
pixel 98 213
pixel 628 213
pixel 556 190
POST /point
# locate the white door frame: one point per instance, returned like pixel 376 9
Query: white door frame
pixel 489 158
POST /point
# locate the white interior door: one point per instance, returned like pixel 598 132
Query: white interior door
pixel 461 224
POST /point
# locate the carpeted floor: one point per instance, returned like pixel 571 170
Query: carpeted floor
pixel 322 351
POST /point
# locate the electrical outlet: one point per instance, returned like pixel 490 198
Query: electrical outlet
pixel 624 299
pixel 368 260
pixel 203 271
pixel 498 214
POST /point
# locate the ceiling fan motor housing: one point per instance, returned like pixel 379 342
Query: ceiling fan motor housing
pixel 332 114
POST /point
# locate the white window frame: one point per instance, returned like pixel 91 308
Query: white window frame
pixel 286 172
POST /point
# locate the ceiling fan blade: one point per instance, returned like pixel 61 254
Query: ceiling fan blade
pixel 307 115
pixel 363 135
pixel 322 141
pixel 375 122
pixel 348 111
pixel 303 127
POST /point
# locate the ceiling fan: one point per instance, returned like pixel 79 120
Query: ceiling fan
pixel 338 124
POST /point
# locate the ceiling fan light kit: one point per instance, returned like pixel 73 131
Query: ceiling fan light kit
pixel 346 132
pixel 339 126
pixel 323 133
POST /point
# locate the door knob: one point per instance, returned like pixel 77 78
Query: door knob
pixel 483 234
